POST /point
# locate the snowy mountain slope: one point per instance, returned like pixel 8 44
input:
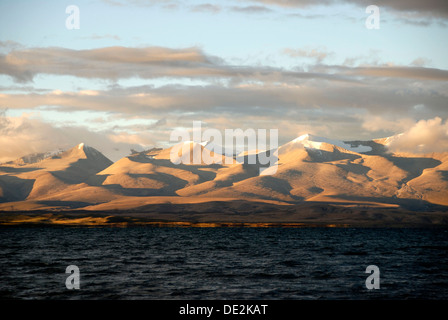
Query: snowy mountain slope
pixel 320 143
pixel 308 168
pixel 50 175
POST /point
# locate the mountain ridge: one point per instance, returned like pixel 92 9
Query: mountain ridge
pixel 308 169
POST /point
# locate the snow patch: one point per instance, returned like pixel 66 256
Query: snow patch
pixel 203 143
pixel 315 142
pixel 387 141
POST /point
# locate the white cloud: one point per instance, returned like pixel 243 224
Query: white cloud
pixel 374 123
pixel 23 135
pixel 425 136
pixel 319 54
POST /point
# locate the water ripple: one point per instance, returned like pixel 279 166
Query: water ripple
pixel 223 263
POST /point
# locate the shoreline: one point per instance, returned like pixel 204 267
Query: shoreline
pixel 234 214
pixel 114 221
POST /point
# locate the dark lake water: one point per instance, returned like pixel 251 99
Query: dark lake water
pixel 223 263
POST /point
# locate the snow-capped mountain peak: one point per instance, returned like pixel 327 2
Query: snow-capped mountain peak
pixel 388 140
pixel 310 141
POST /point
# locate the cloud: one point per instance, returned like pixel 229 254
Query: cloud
pixel 200 7
pixel 411 12
pixel 26 134
pixel 335 98
pixel 401 72
pixel 100 37
pixel 142 3
pixel 318 54
pixel 113 63
pixel 420 62
pixel 206 7
pixel 383 71
pixel 279 100
pixel 158 123
pixel 107 63
pixel 243 99
pixel 436 8
pixel 292 3
pixel 425 136
pixel 9 45
pixel 251 9
pixel 378 123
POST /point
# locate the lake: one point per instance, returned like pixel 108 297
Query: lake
pixel 153 263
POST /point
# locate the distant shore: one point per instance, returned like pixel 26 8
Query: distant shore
pixel 234 214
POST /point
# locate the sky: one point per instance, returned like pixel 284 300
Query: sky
pixel 135 70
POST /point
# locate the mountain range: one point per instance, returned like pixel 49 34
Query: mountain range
pixel 317 180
